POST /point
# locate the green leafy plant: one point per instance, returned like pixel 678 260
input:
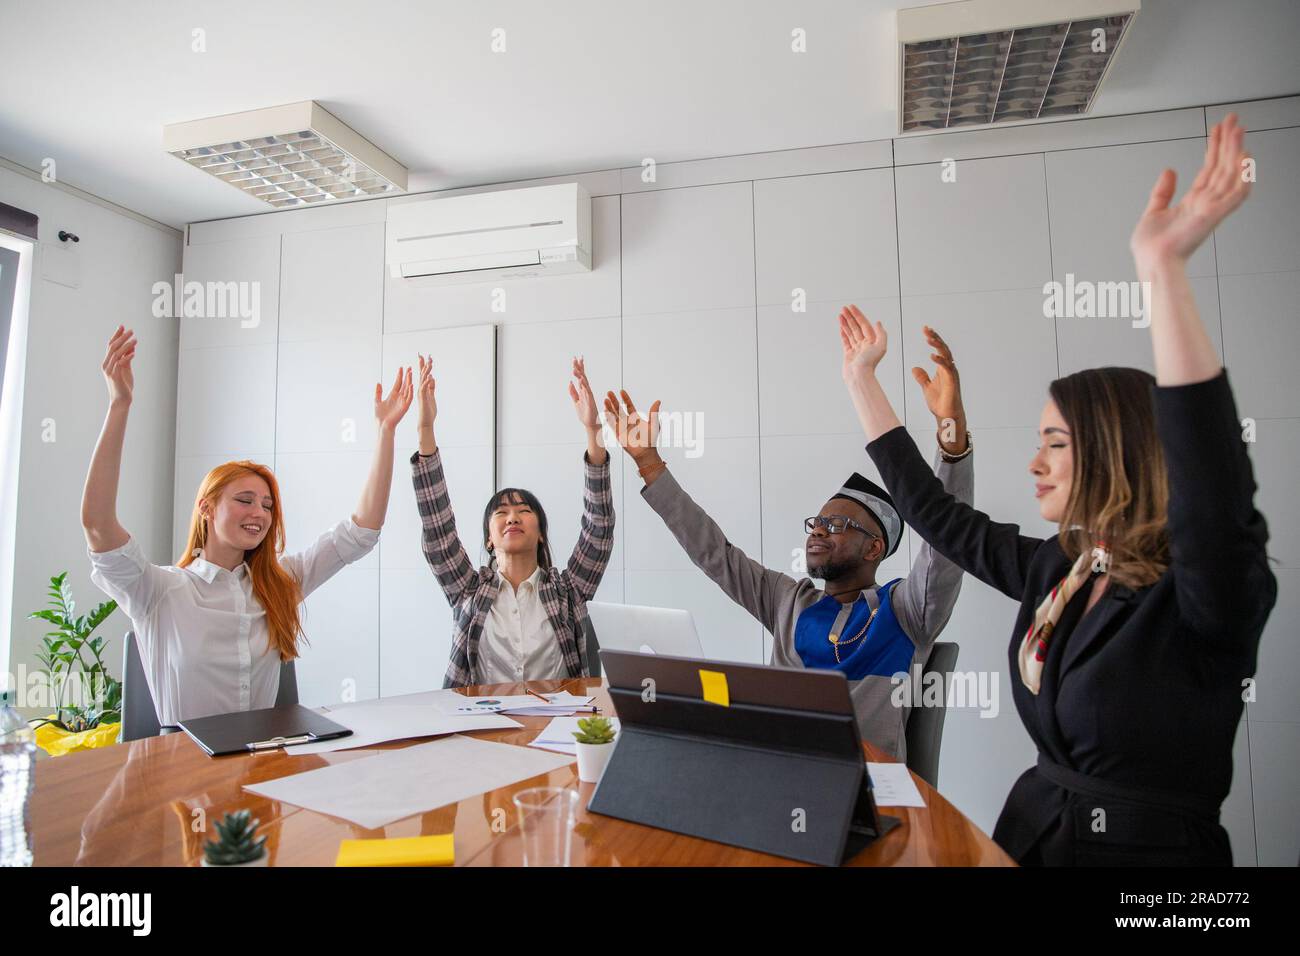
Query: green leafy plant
pixel 594 730
pixel 85 694
pixel 237 840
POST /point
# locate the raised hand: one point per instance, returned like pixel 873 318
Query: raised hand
pixel 1170 234
pixel 425 389
pixel 943 392
pixel 584 402
pixel 117 366
pixel 637 435
pixel 864 344
pixel 390 409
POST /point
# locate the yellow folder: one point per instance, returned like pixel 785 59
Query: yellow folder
pixel 401 851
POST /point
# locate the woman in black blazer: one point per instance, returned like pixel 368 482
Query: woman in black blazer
pixel 1140 621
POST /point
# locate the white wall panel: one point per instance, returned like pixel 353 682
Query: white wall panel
pixel 225 400
pixel 1095 197
pixel 254 266
pixel 702 365
pixel 341 658
pixel 688 249
pixel 332 283
pixel 800 388
pixel 535 361
pixel 985 230
pixel 832 236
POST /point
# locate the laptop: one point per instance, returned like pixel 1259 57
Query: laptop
pixel 645 630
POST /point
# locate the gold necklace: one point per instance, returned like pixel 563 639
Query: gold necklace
pixel 837 643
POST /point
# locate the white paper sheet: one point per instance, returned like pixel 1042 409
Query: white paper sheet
pixel 893 786
pixel 376 721
pixel 375 791
pixel 561 702
pixel 559 748
pixel 558 735
pixel 426 697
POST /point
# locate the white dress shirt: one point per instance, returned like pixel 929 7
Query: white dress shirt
pixel 518 642
pixel 202 633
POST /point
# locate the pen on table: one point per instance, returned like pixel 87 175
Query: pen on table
pixel 544 700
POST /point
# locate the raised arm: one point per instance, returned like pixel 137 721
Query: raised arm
pixel 584 405
pixel 595 543
pixel 440 543
pixel 1165 238
pixel 925 598
pixel 99 498
pixel 757 589
pixel 373 506
pixel 1217 537
pixel 996 553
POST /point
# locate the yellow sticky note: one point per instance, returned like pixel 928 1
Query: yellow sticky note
pixel 714 684
pixel 436 850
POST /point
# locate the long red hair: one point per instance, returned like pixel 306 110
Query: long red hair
pixel 276 589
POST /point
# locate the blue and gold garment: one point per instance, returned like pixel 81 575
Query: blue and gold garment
pixel 884 650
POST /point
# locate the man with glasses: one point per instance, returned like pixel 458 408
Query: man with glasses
pixel 868 631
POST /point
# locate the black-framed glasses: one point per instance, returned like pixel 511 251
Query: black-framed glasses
pixel 835 524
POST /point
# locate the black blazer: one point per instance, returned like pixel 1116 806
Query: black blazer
pixel 1139 702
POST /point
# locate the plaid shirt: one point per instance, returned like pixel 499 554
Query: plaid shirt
pixel 564 593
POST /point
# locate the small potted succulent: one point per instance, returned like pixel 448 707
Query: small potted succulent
pixel 595 737
pixel 237 843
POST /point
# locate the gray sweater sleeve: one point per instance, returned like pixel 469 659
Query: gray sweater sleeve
pixel 757 589
pixel 923 601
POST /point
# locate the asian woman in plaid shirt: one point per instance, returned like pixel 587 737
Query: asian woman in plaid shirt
pixel 519 617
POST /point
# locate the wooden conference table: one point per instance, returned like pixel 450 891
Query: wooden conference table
pixel 141 803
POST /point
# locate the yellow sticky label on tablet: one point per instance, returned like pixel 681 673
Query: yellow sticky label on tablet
pixel 714 684
pixel 436 850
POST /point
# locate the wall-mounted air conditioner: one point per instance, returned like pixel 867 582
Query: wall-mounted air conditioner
pixel 511 234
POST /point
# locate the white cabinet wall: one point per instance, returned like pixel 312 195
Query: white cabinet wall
pixel 716 291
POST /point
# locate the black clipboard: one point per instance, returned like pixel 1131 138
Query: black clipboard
pixel 780 769
pixel 271 728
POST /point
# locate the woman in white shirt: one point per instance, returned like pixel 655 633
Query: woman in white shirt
pixel 520 618
pixel 214 628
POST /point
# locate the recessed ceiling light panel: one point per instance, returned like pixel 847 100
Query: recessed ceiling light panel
pixel 978 62
pixel 287 156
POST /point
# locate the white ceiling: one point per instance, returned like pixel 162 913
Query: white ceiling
pixel 583 84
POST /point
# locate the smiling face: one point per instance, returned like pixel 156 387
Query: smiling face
pixel 1053 465
pixel 240 518
pixel 514 526
pixel 835 556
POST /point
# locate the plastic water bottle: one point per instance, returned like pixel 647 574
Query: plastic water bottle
pixel 17 755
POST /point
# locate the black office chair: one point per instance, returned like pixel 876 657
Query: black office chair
pixel 925 724
pixel 140 714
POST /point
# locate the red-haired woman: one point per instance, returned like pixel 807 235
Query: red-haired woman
pixel 213 628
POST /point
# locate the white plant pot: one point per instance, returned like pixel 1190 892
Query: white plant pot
pixel 592 759
pixel 260 861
